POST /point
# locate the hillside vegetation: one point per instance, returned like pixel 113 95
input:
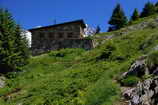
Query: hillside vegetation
pixel 76 76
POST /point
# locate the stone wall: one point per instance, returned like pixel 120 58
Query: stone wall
pixel 86 44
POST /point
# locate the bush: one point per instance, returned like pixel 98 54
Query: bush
pixel 147 77
pixel 104 91
pixel 11 75
pixel 152 60
pixel 106 51
pixel 130 81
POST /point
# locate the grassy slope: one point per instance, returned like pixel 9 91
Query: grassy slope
pixel 78 77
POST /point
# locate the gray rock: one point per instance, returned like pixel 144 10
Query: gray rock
pixel 2 81
pixel 127 94
pixel 156 48
pixel 19 104
pixel 155 72
pixel 146 93
pixel 138 68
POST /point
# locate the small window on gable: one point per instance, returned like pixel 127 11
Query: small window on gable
pixel 70 35
pixel 60 35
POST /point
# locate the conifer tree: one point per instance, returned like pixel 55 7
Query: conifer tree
pixel 97 30
pixel 135 15
pixel 156 4
pixel 149 9
pixel 13 48
pixel 110 29
pixel 118 18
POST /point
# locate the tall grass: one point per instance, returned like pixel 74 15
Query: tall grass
pixel 76 76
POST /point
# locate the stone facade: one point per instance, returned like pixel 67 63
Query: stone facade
pixel 66 35
pixel 86 44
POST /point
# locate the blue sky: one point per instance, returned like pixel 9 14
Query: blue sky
pixel 32 13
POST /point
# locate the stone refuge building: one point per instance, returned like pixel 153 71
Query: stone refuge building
pixel 58 36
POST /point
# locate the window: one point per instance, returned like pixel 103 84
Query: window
pixel 41 35
pixel 70 35
pixel 51 35
pixel 60 35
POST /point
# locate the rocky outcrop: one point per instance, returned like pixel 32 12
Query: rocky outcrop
pixel 146 91
pixel 138 68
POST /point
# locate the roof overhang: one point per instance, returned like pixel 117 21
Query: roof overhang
pixel 56 25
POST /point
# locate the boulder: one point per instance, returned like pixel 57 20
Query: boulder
pixel 138 68
pixel 2 81
pixel 127 94
pixel 145 93
pixel 155 72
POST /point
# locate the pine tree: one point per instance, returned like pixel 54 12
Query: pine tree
pixel 13 48
pixel 156 4
pixel 118 18
pixel 110 29
pixel 135 15
pixel 21 45
pixel 97 30
pixel 149 9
